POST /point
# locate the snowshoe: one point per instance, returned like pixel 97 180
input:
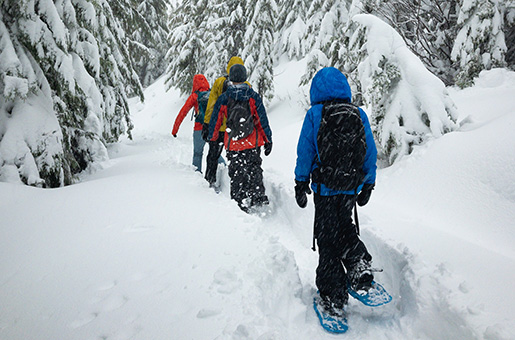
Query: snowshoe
pixel 331 319
pixel 372 296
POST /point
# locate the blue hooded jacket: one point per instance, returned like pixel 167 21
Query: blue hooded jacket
pixel 329 84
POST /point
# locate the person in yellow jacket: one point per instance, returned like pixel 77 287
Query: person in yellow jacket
pixel 216 147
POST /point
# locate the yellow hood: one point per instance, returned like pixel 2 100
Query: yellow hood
pixel 234 61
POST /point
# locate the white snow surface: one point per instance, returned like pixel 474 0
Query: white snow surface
pixel 142 248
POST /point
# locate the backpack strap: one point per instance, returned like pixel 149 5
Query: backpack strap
pixel 225 85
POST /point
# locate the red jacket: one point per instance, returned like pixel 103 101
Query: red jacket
pixel 200 83
pixel 262 133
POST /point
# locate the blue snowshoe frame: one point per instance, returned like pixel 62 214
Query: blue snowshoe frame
pixel 376 296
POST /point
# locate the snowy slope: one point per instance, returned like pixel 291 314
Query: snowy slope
pixel 143 249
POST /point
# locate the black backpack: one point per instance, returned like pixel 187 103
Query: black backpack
pixel 240 122
pixel 341 146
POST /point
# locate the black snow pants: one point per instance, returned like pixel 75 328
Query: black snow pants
pixel 246 175
pixel 215 150
pixel 338 245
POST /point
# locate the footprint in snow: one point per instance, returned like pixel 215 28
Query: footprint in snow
pixel 207 313
pixel 226 281
pixel 139 228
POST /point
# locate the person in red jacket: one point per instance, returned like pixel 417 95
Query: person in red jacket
pixel 197 100
pixel 241 109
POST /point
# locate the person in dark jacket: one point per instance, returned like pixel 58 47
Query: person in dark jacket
pixel 244 154
pixel 216 146
pixel 343 257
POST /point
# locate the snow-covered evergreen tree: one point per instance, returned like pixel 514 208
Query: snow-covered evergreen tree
pixel 324 34
pixel 314 18
pixel 259 42
pixel 226 25
pixel 155 13
pixel 189 38
pixel 64 77
pixel 428 28
pixel 234 28
pixel 145 27
pixel 291 28
pixel 480 43
pixel 408 104
pixel 317 58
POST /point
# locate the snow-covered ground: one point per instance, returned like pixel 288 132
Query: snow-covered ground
pixel 143 249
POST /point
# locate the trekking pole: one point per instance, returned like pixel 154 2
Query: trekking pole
pixel 356 210
pixel 314 248
pixel 356 217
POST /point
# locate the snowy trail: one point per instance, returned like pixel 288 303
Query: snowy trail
pixel 404 272
pixel 278 284
pixel 159 265
pixel 143 249
pixel 420 298
pixel 287 235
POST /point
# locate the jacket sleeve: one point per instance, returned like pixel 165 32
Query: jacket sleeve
pixel 216 91
pixel 217 117
pixel 306 149
pixel 370 165
pixel 190 102
pixel 263 118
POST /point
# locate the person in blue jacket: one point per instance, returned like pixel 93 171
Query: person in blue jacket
pixel 343 257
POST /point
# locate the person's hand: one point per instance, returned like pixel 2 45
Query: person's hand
pixel 365 193
pixel 205 132
pixel 268 148
pixel 301 189
pixel 175 135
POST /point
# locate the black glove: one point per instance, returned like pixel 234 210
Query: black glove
pixel 268 148
pixel 205 132
pixel 301 189
pixel 365 193
pixel 174 135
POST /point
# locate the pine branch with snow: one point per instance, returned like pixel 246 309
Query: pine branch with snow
pixel 291 28
pixel 408 104
pixel 66 80
pixel 188 40
pixel 324 34
pixel 259 43
pixel 480 43
pixel 428 27
pixel 145 26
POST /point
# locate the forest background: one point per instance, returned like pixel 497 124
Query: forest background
pixel 68 67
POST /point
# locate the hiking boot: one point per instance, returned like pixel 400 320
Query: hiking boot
pixel 244 205
pixel 260 201
pixel 360 276
pixel 334 306
pixel 244 208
